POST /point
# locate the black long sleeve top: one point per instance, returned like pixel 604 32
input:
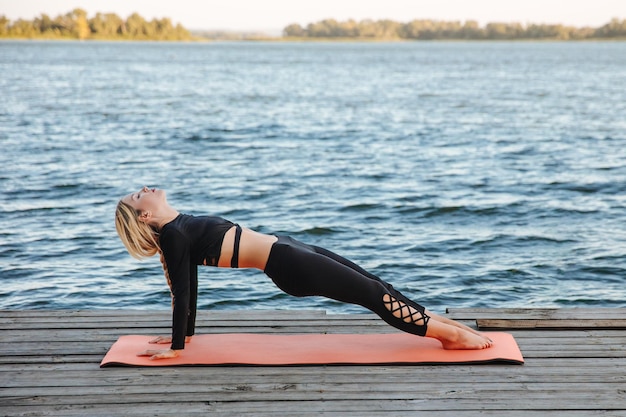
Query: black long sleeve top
pixel 186 242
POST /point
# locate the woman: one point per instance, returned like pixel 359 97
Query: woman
pixel 147 225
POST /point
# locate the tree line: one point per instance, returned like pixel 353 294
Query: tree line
pixel 76 25
pixel 444 30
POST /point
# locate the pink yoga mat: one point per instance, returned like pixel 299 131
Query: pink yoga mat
pixel 311 349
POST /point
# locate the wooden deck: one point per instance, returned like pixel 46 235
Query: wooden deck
pixel 49 365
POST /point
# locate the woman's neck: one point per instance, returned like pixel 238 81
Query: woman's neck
pixel 163 217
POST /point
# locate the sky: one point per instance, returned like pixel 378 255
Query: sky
pixel 274 15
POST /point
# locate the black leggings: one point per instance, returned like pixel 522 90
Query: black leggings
pixel 303 270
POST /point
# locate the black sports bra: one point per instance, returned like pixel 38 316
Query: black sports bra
pixel 201 236
pixel 234 261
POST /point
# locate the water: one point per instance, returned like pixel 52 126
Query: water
pixel 467 174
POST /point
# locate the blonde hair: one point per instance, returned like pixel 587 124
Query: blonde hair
pixel 140 239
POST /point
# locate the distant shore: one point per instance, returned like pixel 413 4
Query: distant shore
pixel 283 39
pixel 76 25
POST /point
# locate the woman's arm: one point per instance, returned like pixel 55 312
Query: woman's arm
pixel 191 317
pixel 166 340
pixel 193 300
pixel 176 251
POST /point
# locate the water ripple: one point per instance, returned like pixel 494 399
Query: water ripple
pixel 468 175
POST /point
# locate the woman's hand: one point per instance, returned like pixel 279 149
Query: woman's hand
pixel 161 340
pixel 159 354
pixel 164 340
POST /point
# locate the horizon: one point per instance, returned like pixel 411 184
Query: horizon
pixel 273 16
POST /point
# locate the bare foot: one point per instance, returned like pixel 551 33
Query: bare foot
pixel 453 337
pixel 451 322
pixel 467 340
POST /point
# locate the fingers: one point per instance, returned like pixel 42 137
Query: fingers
pixel 149 352
pixel 161 340
pixel 159 354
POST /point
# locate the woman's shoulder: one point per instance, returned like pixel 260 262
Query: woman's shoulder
pixel 184 220
pixel 175 229
pixel 187 224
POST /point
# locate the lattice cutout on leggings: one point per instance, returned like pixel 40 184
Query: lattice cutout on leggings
pixel 407 313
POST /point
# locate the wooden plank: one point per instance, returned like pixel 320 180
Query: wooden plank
pixel 485 324
pixel 337 319
pixel 298 390
pixel 532 368
pixel 542 336
pixel 208 314
pixel 54 371
pixel 537 313
pixel 296 409
pixel 111 334
pixel 60 322
pixel 517 318
pixel 434 399
pixel 341 375
pixel 56 325
pixel 122 377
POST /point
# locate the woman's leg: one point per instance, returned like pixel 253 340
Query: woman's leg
pixel 438 327
pixel 303 270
